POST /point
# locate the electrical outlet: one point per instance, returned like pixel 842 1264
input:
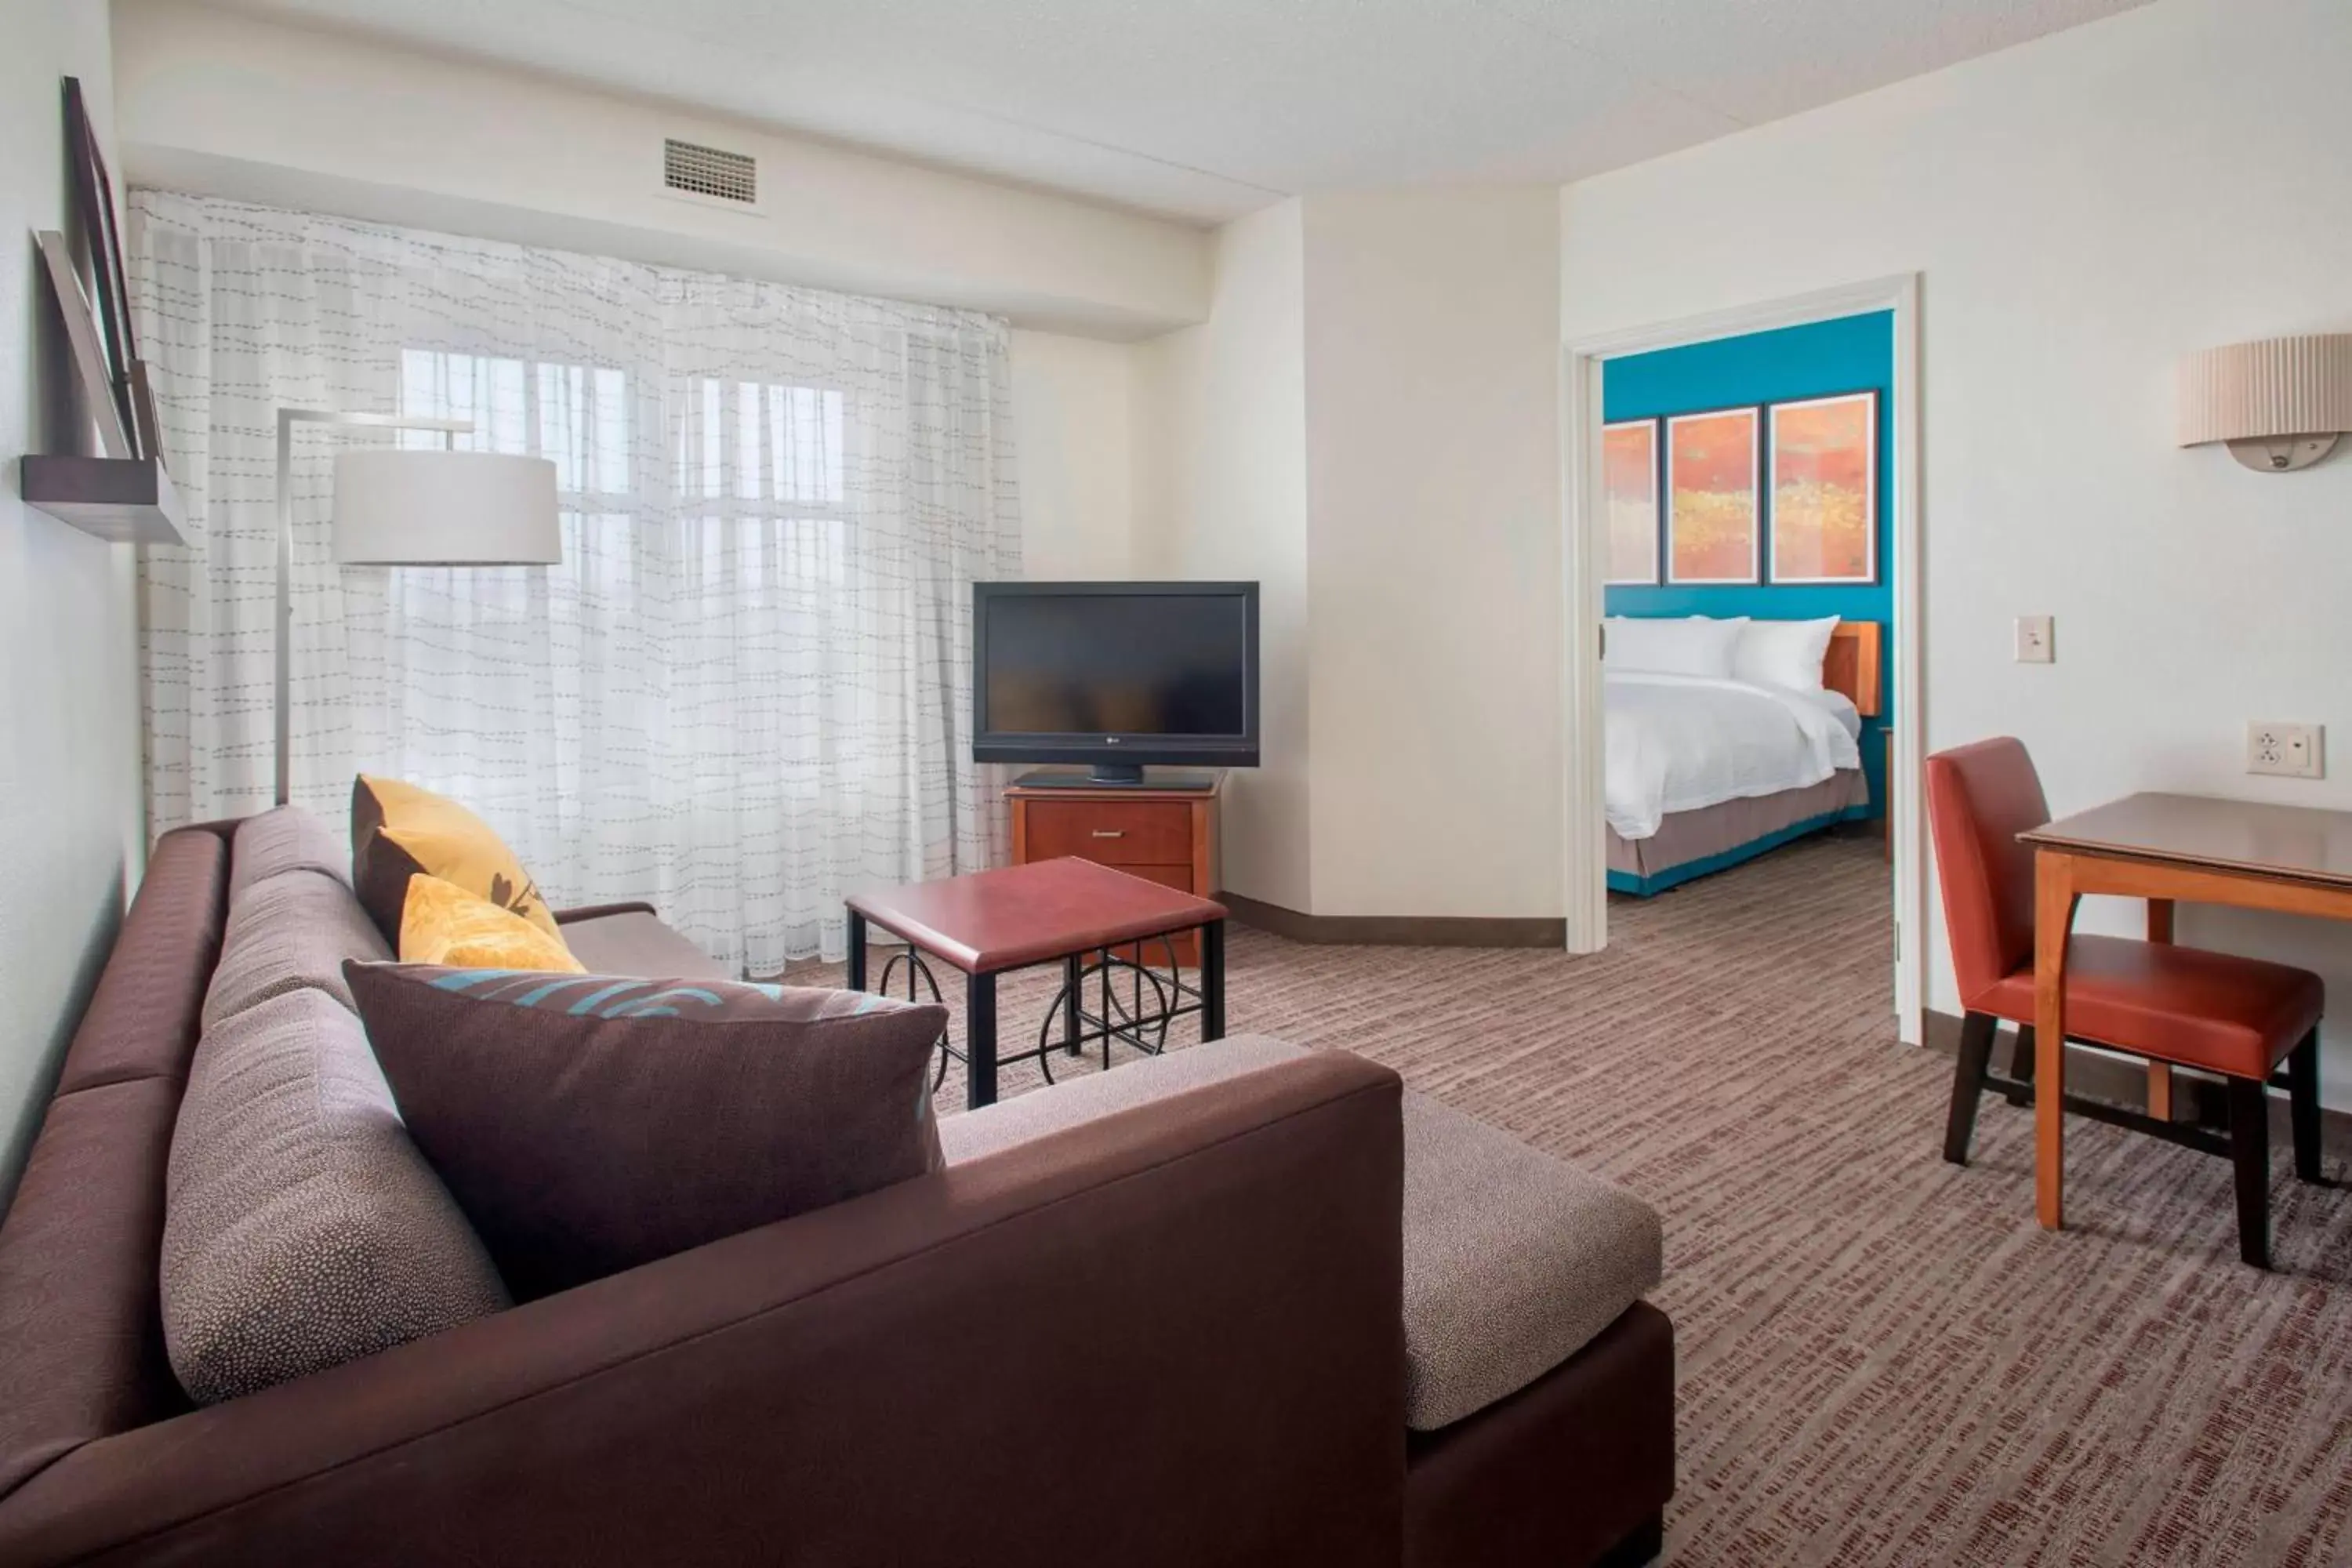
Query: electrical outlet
pixel 2034 645
pixel 2289 750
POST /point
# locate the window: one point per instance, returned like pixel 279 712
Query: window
pixel 580 411
pixel 778 455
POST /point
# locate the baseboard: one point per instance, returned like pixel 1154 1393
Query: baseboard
pixel 2119 1080
pixel 1397 930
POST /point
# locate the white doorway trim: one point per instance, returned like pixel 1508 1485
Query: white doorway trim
pixel 1586 872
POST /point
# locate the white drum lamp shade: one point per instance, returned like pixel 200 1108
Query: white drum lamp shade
pixel 2278 404
pixel 396 507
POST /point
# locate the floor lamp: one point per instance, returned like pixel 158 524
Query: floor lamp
pixel 402 507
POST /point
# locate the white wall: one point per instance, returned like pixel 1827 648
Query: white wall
pixel 1072 400
pixel 70 812
pixel 1368 426
pixel 1433 562
pixel 238 106
pixel 2083 210
pixel 1221 493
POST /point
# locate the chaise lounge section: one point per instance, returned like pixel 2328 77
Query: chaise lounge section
pixel 1244 1303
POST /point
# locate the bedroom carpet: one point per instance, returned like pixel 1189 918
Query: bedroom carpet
pixel 1883 1359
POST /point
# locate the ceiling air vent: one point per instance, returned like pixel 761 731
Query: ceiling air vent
pixel 708 171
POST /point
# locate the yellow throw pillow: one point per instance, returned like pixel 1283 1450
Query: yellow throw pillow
pixel 443 923
pixel 399 831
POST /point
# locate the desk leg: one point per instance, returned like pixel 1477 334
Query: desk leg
pixel 2053 920
pixel 856 951
pixel 1212 982
pixel 979 1041
pixel 2159 1074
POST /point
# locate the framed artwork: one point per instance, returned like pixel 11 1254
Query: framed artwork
pixel 1824 477
pixel 85 339
pixel 1628 485
pixel 1712 516
pixel 109 294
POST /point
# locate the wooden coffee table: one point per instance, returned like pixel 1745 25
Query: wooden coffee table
pixel 989 922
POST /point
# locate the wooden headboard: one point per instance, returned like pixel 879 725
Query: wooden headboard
pixel 1852 665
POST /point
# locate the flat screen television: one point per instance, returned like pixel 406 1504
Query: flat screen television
pixel 1118 675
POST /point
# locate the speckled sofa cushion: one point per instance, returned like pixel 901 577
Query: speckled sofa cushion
pixel 1083 1096
pixel 291 932
pixel 286 838
pixel 302 1229
pixel 1513 1262
pixel 635 942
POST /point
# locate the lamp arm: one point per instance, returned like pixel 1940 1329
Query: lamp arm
pixel 287 420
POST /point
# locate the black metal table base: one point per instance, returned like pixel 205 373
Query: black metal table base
pixel 1134 1005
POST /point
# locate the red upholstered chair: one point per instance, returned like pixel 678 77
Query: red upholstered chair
pixel 2239 1018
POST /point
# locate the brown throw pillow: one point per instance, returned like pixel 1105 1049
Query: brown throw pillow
pixel 587 1124
pixel 399 831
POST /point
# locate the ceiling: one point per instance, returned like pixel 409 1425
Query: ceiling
pixel 1203 110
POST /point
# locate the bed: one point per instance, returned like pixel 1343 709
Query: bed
pixel 1704 773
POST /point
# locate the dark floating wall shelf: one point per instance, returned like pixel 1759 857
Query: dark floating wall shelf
pixel 129 500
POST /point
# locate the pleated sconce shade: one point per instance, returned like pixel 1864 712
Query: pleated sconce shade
pixel 395 507
pixel 2275 393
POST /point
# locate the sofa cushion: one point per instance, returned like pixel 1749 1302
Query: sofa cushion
pixel 589 1124
pixel 443 923
pixel 971 1135
pixel 637 943
pixel 286 838
pixel 1513 1260
pixel 302 1228
pixel 291 932
pixel 399 830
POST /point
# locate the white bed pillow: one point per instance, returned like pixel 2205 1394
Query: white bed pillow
pixel 1784 653
pixel 1702 645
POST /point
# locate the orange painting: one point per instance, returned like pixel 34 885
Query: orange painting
pixel 1825 490
pixel 1711 497
pixel 1628 478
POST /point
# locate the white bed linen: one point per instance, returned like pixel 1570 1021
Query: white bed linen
pixel 1837 703
pixel 1681 743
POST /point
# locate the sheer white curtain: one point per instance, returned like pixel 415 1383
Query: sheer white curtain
pixel 744 689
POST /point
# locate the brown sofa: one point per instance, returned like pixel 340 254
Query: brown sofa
pixel 1166 1334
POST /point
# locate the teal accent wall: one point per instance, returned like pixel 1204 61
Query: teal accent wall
pixel 1852 353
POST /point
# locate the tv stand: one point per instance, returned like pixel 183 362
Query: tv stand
pixel 1164 831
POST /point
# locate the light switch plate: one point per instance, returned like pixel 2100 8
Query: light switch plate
pixel 2287 751
pixel 2033 640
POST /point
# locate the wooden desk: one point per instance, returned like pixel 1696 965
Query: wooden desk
pixel 2164 849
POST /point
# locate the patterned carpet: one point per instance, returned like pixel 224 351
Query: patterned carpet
pixel 1883 1359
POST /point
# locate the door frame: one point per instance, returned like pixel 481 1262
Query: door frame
pixel 1583 560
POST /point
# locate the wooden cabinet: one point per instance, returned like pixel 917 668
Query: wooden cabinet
pixel 1165 836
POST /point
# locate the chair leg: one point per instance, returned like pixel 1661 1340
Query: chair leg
pixel 2303 1106
pixel 2021 1067
pixel 1977 1031
pixel 2250 1156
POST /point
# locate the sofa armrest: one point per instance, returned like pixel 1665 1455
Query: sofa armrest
pixel 1170 1336
pixel 598 911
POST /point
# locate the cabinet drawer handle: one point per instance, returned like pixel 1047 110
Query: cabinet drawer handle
pixel 1111 833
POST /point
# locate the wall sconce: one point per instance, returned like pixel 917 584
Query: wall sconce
pixel 2279 404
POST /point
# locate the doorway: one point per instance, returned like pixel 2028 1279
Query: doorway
pixel 1587 569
